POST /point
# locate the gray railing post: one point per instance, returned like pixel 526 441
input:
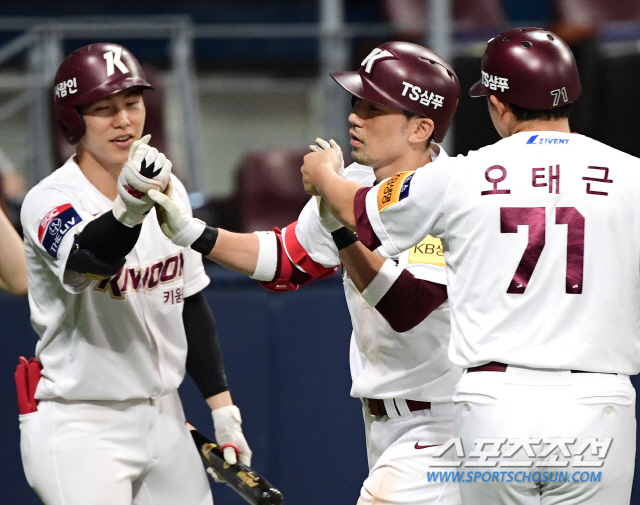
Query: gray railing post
pixel 440 30
pixel 334 57
pixel 43 60
pixel 184 75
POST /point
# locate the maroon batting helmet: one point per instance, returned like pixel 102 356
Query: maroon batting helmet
pixel 409 77
pixel 88 74
pixel 529 67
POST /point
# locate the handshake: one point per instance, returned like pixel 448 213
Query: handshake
pixel 145 180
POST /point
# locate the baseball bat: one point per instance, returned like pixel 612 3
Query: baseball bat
pixel 244 480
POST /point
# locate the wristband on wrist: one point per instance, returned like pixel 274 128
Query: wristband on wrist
pixel 205 242
pixel 343 237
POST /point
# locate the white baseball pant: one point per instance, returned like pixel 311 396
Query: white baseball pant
pixel 527 404
pixel 400 451
pixel 135 452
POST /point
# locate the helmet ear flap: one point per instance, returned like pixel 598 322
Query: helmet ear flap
pixel 72 123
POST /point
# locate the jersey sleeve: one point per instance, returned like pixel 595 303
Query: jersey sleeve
pixel 400 211
pixel 195 277
pixel 313 238
pixel 50 220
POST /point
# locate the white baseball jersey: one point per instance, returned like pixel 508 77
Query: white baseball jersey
pixel 117 339
pixel 384 363
pixel 541 248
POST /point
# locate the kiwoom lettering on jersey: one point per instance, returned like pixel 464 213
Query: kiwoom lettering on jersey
pixel 133 278
pixel 55 225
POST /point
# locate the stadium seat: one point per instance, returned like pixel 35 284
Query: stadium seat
pixel 269 189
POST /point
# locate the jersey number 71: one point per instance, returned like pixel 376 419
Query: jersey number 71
pixel 534 217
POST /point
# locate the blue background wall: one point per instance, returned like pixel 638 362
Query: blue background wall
pixel 287 362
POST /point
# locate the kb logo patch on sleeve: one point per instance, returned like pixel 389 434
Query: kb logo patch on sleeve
pixel 394 190
pixel 55 225
pixel 428 251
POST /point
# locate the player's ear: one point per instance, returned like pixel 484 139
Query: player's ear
pixel 420 129
pixel 500 106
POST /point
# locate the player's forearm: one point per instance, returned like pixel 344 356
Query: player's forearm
pixel 361 264
pixel 13 265
pixel 220 400
pixel 409 301
pixel 402 299
pixel 204 358
pixel 339 193
pixel 236 251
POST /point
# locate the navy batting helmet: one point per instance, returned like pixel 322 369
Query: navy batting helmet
pixel 409 77
pixel 529 67
pixel 88 74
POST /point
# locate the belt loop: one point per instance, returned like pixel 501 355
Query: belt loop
pixel 390 406
pixel 402 407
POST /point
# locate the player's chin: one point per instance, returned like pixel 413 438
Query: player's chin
pixel 360 157
pixel 118 153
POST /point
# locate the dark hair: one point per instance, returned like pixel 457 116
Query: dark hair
pixel 523 114
pixel 410 115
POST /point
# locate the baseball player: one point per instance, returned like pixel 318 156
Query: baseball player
pixel 399 365
pixel 119 310
pixel 13 267
pixel 543 282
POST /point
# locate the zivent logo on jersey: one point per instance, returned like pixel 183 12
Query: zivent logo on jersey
pixel 394 190
pixel 537 140
pixel 135 278
pixel 494 82
pixel 55 225
pixel 425 98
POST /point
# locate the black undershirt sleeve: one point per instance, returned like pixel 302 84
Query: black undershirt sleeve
pixel 108 239
pixel 204 358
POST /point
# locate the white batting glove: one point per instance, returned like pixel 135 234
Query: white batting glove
pixel 227 425
pixel 145 169
pixel 174 218
pixel 321 145
pixel 327 219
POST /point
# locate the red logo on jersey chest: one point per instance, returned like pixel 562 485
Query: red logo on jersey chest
pixel 44 224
